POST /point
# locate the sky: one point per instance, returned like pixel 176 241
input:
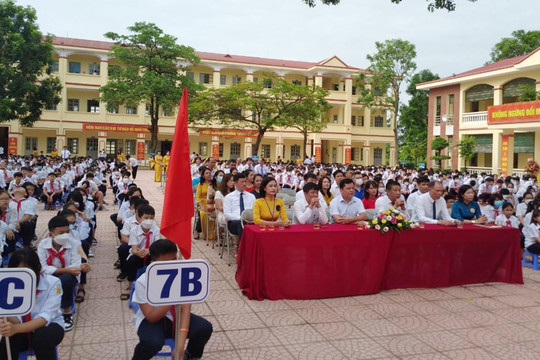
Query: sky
pixel 446 42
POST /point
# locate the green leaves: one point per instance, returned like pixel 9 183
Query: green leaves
pixel 520 43
pixel 25 64
pixel 449 5
pixel 467 148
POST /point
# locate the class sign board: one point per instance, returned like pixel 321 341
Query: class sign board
pixel 17 291
pixel 177 282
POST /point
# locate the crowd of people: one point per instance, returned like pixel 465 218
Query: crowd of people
pixel 76 188
pixel 351 194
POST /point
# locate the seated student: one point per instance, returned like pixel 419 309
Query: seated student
pixel 493 209
pixel 131 221
pixel 532 233
pixel 92 189
pixel 309 178
pixel 140 239
pixel 52 192
pixel 236 202
pixel 16 182
pixel 449 199
pixel 392 198
pixel 81 227
pixel 30 197
pixel 345 208
pixel 42 329
pixel 521 209
pixel 268 210
pixel 310 209
pixel 431 207
pixel 155 324
pixel 59 256
pixel 8 216
pixel 507 217
pixel 25 213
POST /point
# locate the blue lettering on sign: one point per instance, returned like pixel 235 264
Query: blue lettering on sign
pixel 17 301
pixel 191 276
pixel 172 273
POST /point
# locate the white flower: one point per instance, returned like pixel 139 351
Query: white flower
pixel 385 229
pixel 377 227
pixel 389 218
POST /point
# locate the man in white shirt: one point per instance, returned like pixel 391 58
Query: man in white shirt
pixel 235 203
pixel 261 168
pixel 334 189
pixel 347 209
pixel 308 178
pixel 134 165
pixel 310 209
pixel 393 198
pixel 423 186
pixel 65 153
pixel 431 207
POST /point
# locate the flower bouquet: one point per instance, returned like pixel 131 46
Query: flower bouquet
pixel 390 219
pixel 532 167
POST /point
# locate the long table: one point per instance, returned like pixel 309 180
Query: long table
pixel 340 260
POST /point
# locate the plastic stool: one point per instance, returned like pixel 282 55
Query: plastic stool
pixel 530 264
pixel 170 343
pixel 25 354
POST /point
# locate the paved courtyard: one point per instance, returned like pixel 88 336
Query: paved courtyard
pixel 484 321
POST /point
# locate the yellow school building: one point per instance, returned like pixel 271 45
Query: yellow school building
pixel 484 103
pixel 81 122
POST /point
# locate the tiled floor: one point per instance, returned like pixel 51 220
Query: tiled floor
pixel 484 321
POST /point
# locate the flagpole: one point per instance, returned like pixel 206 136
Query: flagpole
pixel 8 346
pixel 176 333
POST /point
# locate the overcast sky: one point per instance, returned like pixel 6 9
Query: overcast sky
pixel 445 42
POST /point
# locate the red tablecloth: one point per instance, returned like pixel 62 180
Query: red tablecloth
pixel 439 256
pixel 304 263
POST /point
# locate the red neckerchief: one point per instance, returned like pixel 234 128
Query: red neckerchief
pixel 52 187
pixel 59 255
pixel 147 243
pixel 496 213
pixel 508 223
pixel 18 204
pixel 4 216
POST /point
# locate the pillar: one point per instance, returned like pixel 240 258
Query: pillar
pixel 507 152
pixel 318 80
pixel 366 150
pixel 248 151
pixel 102 140
pixel 392 160
pixel 310 81
pixel 217 78
pixel 141 146
pixel 249 77
pixel 318 152
pixel 347 153
pixel 348 107
pixel 60 140
pixel 279 150
pixel 537 146
pixel 214 149
pixel 497 96
pixel 496 153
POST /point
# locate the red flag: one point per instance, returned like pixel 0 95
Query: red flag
pixel 178 204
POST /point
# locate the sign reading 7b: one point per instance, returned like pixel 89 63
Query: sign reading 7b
pixel 177 282
pixel 17 291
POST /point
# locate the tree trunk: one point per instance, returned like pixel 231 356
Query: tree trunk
pixel 305 145
pixel 154 134
pixel 396 110
pixel 255 148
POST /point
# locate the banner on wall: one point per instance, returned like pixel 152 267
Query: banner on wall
pixel 215 151
pixel 514 113
pixel 12 146
pixel 504 154
pixel 140 150
pixel 228 132
pixel 318 154
pixel 347 155
pixel 123 128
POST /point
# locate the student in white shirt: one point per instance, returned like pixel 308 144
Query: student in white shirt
pixel 507 217
pixel 133 165
pixel 521 209
pixel 16 182
pixel 310 209
pixel 532 233
pixel 334 189
pixel 43 328
pixel 52 192
pixel 132 220
pixel 25 215
pixel 431 207
pixel 59 256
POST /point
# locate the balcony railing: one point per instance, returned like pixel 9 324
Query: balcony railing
pixel 479 117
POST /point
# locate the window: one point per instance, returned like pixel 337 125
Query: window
pixel 92 106
pixel 255 79
pixel 236 79
pixel 450 110
pixel 30 144
pixel 51 144
pixel 55 65
pixel 355 154
pixel 295 151
pixel 110 147
pixel 220 150
pixel 190 75
pixel 73 145
pixel 361 120
pixel 74 67
pixel 379 121
pixel 73 105
pixel 131 110
pixel 438 106
pixel 353 120
pixel 205 78
pixel 267 83
pixel 450 140
pixel 113 109
pixel 265 151
pixel 223 80
pixel 335 87
pixel 203 149
pixel 92 147
pixel 166 112
pixel 335 119
pixel 377 91
pixel 377 156
pixel 52 107
pixel 147 110
pixel 475 106
pixel 235 150
pixel 131 147
pixel 113 70
pixel 297 82
pixel 354 90
pixel 93 68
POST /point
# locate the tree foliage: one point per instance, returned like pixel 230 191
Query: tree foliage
pixel 26 59
pixel 520 43
pixel 528 93
pixel 390 66
pixel 433 5
pixel 152 71
pixel 467 148
pixel 439 144
pixel 413 120
pixel 262 107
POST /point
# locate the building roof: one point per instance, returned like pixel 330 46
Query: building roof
pixel 209 56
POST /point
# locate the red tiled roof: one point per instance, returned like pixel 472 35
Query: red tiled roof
pixel 106 45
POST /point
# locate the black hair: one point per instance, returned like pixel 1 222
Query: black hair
pixel 390 184
pixel 202 169
pixel 535 214
pixel 137 203
pixel 19 174
pixel 337 172
pixel 145 210
pixel 239 176
pixel 422 180
pixel 493 198
pixel 507 204
pixel 27 257
pixel 310 186
pixel 462 190
pixel 66 213
pixel 162 247
pixel 505 192
pixel 310 175
pixel 344 182
pixel 57 221
pixel 449 197
pixel 76 197
pixel 266 180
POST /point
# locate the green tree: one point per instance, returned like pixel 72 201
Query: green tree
pixel 439 144
pixel 467 148
pixel 391 65
pixel 413 120
pixel 433 5
pixel 265 105
pixel 26 59
pixel 528 93
pixel 152 71
pixel 520 43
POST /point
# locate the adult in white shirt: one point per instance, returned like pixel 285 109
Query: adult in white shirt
pixel 334 189
pixel 346 208
pixel 423 186
pixel 308 178
pixel 431 207
pixel 310 209
pixel 261 168
pixel 236 202
pixel 65 153
pixel 134 166
pixel 392 198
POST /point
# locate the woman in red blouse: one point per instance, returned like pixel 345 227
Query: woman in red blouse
pixel 371 193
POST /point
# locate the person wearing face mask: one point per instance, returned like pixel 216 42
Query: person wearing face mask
pixel 59 256
pixel 493 210
pixel 358 188
pixel 140 239
pixel 521 209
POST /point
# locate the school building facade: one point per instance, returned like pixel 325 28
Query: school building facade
pixel 81 122
pixel 484 103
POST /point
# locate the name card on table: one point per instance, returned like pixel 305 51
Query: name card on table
pixel 177 282
pixel 17 291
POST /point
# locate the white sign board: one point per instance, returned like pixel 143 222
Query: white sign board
pixel 17 291
pixel 177 282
